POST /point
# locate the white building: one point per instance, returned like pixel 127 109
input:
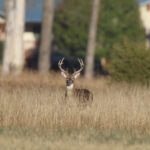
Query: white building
pixel 145 17
pixel 31 33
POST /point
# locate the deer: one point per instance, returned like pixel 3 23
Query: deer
pixel 83 95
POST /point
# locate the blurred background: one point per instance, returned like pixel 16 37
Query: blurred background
pixel 111 36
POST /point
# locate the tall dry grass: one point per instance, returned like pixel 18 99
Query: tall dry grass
pixel 37 101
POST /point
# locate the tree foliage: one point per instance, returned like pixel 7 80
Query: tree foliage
pixel 119 20
pixel 71 26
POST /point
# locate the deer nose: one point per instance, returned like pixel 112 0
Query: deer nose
pixel 68 83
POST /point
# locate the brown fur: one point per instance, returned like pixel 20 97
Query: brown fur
pixel 83 96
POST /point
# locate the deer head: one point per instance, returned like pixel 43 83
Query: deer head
pixel 70 77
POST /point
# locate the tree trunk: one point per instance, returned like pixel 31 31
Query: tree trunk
pixel 18 53
pixel 46 37
pixel 8 46
pixel 13 49
pixel 89 69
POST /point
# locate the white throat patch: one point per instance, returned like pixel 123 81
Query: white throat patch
pixel 70 87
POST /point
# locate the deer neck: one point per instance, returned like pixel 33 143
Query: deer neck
pixel 69 90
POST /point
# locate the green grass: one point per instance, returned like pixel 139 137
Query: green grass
pixel 70 139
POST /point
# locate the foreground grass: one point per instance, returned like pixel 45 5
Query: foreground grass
pixel 71 139
pixel 34 115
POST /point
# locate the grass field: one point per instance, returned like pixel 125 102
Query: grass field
pixel 34 115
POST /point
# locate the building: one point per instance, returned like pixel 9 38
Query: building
pixel 33 19
pixel 145 17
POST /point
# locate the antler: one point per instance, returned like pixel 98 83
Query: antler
pixel 81 67
pixel 60 65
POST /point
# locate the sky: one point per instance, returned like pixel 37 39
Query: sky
pixel 33 9
pixel 143 1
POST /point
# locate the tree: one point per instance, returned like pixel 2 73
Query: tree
pixel 46 37
pixel 89 70
pixel 9 7
pixel 119 20
pixel 71 27
pixel 13 57
pixel 18 60
pixel 131 63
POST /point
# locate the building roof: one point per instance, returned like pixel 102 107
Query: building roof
pixel 144 2
pixel 34 10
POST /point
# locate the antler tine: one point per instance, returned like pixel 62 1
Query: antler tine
pixel 81 62
pixel 81 66
pixel 60 65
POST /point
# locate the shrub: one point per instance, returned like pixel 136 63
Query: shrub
pixel 130 63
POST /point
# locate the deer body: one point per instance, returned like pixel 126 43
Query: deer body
pixel 83 95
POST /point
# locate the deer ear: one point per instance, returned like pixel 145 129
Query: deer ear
pixel 77 75
pixel 63 74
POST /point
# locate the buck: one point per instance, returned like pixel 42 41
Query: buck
pixel 83 95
